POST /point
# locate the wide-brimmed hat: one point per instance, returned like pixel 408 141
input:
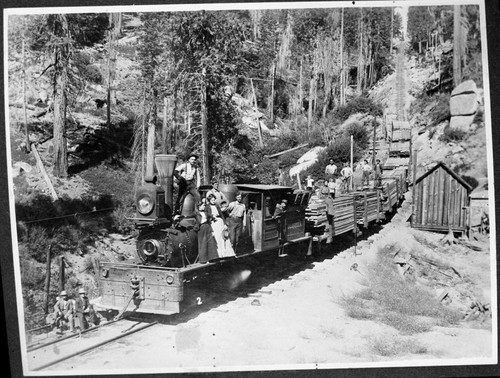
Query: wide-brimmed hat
pixel 192 154
pixel 63 293
pixel 81 291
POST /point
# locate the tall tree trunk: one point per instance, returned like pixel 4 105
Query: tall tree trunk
pixel 28 146
pixel 150 152
pixel 359 85
pixel 457 37
pixel 392 29
pixel 61 58
pixel 270 104
pixel 165 143
pixel 204 131
pixel 259 129
pixel 114 26
pixel 342 78
pixel 310 108
pixel 301 99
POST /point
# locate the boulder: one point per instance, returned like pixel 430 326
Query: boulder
pixel 461 122
pixel 22 166
pixel 464 104
pixel 464 99
pixel 466 87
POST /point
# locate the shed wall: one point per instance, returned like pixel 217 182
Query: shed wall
pixel 440 202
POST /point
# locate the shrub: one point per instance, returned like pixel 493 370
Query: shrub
pixel 452 135
pixel 361 104
pixel 359 133
pixel 93 74
pixel 471 181
pixel 395 345
pixel 406 324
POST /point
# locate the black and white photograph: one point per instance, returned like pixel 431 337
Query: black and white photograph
pixel 248 187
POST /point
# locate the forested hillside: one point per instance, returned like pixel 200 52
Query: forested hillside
pixel 96 95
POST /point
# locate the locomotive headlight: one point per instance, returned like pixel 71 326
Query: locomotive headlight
pixel 145 204
pixel 170 280
pixel 151 247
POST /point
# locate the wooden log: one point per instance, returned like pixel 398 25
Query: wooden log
pixel 289 150
pixel 44 173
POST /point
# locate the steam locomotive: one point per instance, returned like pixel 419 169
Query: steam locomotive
pixel 163 278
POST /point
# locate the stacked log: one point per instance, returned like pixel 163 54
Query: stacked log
pixel 316 219
pixel 389 193
pixel 343 220
pixel 367 207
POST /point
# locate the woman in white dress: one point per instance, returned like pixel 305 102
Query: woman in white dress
pixel 224 247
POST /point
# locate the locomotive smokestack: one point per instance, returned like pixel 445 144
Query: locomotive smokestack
pixel 165 164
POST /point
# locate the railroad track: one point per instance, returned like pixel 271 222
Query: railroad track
pixel 45 355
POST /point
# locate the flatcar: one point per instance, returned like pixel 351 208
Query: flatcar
pixel 167 246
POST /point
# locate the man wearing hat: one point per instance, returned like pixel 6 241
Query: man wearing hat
pixel 82 310
pixel 188 175
pixel 64 311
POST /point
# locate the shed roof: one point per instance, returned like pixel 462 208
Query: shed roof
pixel 479 193
pixel 449 171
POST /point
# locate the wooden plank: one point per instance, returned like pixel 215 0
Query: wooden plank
pixel 44 173
pixel 439 217
pixel 430 197
pixel 425 200
pixel 451 221
pixel 436 196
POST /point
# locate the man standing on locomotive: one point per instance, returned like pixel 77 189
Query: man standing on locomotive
pixel 236 220
pixel 220 198
pixel 188 175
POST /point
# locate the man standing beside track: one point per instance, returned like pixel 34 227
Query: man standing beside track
pixel 64 312
pixel 82 310
pixel 236 220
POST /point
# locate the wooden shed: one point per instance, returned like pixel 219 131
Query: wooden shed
pixel 441 199
pixel 479 207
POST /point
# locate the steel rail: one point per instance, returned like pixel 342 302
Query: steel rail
pixel 95 346
pixel 33 347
